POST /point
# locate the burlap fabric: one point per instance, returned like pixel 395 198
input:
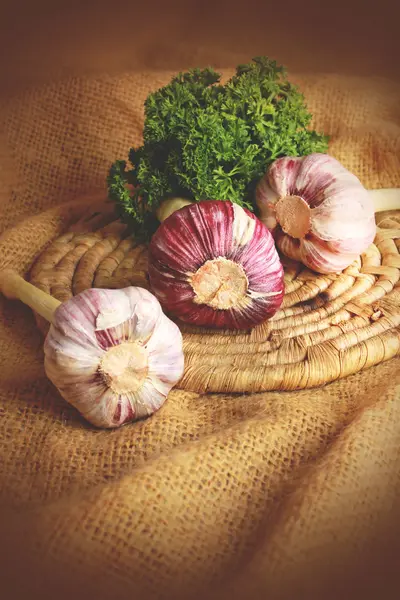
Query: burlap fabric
pixel 274 495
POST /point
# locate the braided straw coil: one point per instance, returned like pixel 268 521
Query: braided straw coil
pixel 329 326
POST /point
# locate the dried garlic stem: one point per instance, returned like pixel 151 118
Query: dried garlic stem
pixel 14 287
pixel 386 199
pixel 169 206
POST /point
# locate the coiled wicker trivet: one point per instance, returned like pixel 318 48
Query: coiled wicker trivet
pixel 328 327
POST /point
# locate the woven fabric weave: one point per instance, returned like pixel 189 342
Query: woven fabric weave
pixel 271 495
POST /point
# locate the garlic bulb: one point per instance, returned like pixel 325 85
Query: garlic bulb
pixel 319 212
pixel 213 263
pixel 113 354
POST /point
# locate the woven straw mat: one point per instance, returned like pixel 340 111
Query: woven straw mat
pixel 328 326
pixel 221 495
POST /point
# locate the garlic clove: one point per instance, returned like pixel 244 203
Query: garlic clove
pixel 150 398
pixel 318 257
pixel 165 351
pixel 214 263
pixel 334 220
pixel 281 178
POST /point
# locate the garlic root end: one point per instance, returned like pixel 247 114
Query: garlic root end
pixel 294 216
pixel 124 367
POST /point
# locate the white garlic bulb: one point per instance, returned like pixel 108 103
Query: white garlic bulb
pixel 319 212
pixel 113 354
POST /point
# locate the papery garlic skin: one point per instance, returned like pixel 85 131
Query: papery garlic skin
pixel 319 212
pixel 215 264
pixel 113 354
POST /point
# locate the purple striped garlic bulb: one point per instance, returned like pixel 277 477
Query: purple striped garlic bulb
pixel 213 263
pixel 113 354
pixel 320 213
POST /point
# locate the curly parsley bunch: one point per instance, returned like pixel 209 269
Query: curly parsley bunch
pixel 204 140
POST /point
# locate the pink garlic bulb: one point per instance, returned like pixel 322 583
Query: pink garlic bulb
pixel 320 213
pixel 213 263
pixel 113 354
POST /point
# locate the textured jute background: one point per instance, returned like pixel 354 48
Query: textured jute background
pixel 274 495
